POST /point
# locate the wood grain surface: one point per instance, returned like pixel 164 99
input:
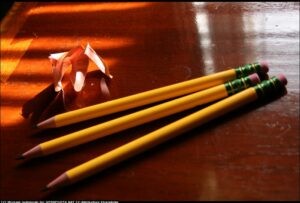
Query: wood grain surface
pixel 249 154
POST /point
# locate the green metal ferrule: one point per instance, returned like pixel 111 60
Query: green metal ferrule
pixel 268 87
pixel 248 69
pixel 237 85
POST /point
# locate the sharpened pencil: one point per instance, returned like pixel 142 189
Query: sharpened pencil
pixel 151 96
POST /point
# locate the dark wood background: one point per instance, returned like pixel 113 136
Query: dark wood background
pixel 249 154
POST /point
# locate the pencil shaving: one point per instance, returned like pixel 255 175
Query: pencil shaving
pixel 78 59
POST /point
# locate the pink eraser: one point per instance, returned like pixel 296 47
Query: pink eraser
pixel 264 66
pixel 282 79
pixel 254 78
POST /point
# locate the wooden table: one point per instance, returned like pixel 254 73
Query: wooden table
pixel 249 154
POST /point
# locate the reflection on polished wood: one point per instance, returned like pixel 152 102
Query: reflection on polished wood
pixel 251 154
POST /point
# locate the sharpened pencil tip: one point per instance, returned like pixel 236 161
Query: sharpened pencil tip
pixel 48 123
pixel 45 189
pixel 20 157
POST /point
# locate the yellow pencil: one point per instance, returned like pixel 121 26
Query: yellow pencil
pixel 141 117
pixel 165 133
pixel 151 96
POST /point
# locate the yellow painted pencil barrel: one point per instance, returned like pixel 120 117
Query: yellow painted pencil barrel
pixel 165 133
pixel 161 135
pixel 147 115
pixel 151 96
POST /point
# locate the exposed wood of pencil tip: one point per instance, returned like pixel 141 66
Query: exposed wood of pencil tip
pixel 48 123
pixel 31 153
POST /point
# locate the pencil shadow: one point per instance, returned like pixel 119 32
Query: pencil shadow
pixel 173 143
pixel 103 144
